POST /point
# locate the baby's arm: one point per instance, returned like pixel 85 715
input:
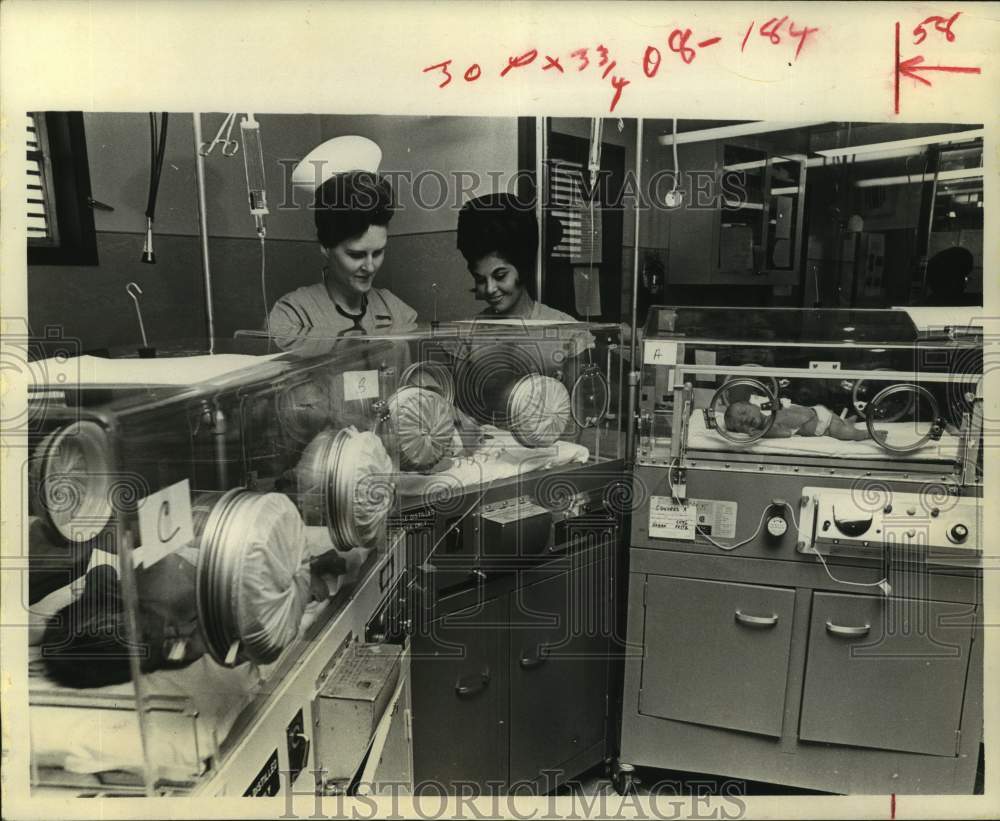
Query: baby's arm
pixel 846 432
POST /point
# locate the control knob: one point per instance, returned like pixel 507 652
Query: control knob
pixel 958 533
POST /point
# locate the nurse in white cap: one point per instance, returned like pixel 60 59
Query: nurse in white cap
pixel 352 208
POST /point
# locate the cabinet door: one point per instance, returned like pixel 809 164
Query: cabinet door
pixel 457 672
pixel 559 643
pixel 886 673
pixel 716 653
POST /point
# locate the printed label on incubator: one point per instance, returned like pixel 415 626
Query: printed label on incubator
pixel 659 353
pixel 512 513
pixel 361 385
pixel 716 518
pixel 268 780
pixel 164 523
pixel 670 520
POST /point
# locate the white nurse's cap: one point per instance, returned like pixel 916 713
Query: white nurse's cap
pixel 336 156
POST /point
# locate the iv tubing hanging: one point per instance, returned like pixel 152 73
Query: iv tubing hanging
pixel 203 231
pixel 157 151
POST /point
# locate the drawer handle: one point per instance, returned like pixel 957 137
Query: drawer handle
pixel 532 662
pixel 464 688
pixel 849 632
pixel 756 621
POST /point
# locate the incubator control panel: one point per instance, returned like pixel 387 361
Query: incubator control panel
pixel 863 520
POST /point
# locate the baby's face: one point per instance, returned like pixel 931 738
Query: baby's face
pixel 748 417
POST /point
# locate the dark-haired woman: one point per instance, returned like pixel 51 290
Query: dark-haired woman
pixel 498 236
pixel 353 206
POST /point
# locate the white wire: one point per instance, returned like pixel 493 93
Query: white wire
pixel 842 581
pixel 822 560
pixel 670 484
pixel 749 538
pixel 791 512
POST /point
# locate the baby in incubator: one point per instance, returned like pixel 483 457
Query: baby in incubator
pixel 745 417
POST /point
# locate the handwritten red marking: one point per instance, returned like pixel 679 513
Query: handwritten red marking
pixel 892 806
pixel 581 54
pixel 651 61
pixel 914 65
pixel 552 62
pixel 941 24
pixel 677 41
pixel 801 34
pixel 472 73
pixel 711 41
pixel 896 70
pixel 771 29
pixel 609 69
pixel 619 83
pixel 604 55
pixel 747 35
pixel 519 62
pixel 909 68
pixel 444 67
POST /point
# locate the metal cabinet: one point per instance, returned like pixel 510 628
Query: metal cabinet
pixel 513 689
pixel 716 653
pixel 458 700
pixel 900 668
pixel 559 641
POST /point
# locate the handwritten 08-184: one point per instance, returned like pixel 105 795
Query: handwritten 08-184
pixel 682 45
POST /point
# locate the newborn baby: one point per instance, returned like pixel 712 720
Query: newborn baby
pixel 745 417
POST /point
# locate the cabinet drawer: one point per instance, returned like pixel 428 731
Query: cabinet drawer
pixel 886 673
pixel 716 653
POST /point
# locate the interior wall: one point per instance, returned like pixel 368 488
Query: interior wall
pixel 90 303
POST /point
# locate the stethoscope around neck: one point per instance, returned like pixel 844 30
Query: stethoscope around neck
pixel 356 329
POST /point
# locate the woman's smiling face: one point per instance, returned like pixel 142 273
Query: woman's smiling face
pixel 353 263
pixel 498 283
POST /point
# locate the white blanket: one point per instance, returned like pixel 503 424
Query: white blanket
pixel 501 457
pixel 899 433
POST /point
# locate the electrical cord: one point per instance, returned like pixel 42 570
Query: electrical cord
pixel 749 538
pixel 882 583
pixel 157 151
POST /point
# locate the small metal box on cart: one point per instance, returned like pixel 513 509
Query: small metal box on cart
pixel 349 706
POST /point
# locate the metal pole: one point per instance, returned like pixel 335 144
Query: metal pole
pixel 541 151
pixel 199 161
pixel 635 256
pixel 633 376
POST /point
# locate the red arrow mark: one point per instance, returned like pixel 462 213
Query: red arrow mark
pixel 911 68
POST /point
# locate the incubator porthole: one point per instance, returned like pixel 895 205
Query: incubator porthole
pixel 904 433
pixel 345 483
pixel 432 376
pixel 72 482
pixel 590 398
pixel 249 574
pixel 742 421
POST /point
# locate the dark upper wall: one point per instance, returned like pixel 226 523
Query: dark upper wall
pixel 90 303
